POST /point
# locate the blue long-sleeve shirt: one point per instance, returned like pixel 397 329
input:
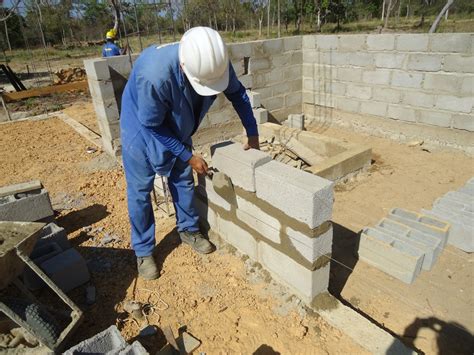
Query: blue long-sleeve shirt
pixel 159 102
pixel 110 49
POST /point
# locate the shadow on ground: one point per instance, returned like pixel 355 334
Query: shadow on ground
pixel 82 218
pixel 265 349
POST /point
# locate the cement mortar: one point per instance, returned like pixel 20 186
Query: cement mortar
pixel 324 301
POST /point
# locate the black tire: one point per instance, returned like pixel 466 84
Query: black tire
pixel 36 317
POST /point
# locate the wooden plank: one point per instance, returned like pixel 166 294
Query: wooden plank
pixel 303 152
pixel 22 187
pixel 43 91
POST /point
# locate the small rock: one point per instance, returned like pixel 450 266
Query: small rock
pixel 416 143
pixel 108 238
pixel 148 331
pixel 91 150
pixel 90 295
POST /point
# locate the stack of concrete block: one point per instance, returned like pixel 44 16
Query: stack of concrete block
pixel 277 215
pixel 260 114
pixel 25 202
pixel 295 121
pixel 457 207
pixel 109 341
pixel 404 243
pixel 54 255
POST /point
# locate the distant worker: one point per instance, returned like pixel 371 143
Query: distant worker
pixel 168 93
pixel 110 49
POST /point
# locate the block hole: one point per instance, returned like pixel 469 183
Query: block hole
pixel 245 63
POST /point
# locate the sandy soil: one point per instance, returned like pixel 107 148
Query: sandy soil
pixel 217 297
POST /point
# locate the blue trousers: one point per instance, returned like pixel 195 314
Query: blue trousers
pixel 140 177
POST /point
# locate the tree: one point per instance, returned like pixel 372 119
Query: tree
pixel 444 10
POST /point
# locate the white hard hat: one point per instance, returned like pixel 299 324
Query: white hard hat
pixel 204 59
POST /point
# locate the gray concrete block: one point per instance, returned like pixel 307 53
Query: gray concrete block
pixel 254 98
pixel 246 81
pixel 257 64
pixel 425 224
pixel 390 60
pixel 136 348
pixel 206 190
pixel 33 185
pixel 101 90
pixel 379 76
pixel 260 114
pixel 293 99
pixel 301 195
pixel 380 42
pixel 461 231
pixel 240 50
pixel 28 206
pixel 451 43
pixel 309 248
pixel 39 255
pixel 401 113
pixel 454 103
pixel 363 92
pixel 107 111
pixel 418 99
pixel 352 42
pixel 349 74
pixel 440 82
pixel 109 341
pixel 309 41
pixel 295 121
pixel 407 79
pixel 435 118
pixel 273 46
pixel 207 216
pixel 303 282
pixel 52 233
pixel 412 42
pixel 424 62
pixel 465 208
pixel 122 64
pixel 97 69
pixel 68 270
pixel 389 255
pixel 467 86
pixel 346 104
pixel 293 43
pixel 387 95
pixel 373 108
pixel 459 63
pixel 430 246
pixel 326 42
pixel 238 164
pixel 238 237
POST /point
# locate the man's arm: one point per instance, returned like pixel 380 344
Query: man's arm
pixel 236 94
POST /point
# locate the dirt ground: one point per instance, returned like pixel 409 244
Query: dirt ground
pixel 217 297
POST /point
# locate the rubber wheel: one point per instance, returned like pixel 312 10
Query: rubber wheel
pixel 36 317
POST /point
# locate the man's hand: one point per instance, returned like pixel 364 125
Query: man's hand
pixel 252 142
pixel 198 164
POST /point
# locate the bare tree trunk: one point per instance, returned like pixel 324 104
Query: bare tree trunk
pixel 389 10
pixel 116 7
pixel 268 18
pixel 436 22
pixel 260 20
pixel 383 10
pixel 172 20
pixel 279 22
pixel 399 10
pixel 7 36
pixel 408 9
pixel 446 15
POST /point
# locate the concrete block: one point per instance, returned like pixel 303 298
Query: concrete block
pixel 443 82
pixel 281 88
pixel 297 59
pixel 292 43
pixel 381 42
pixel 254 98
pixel 293 73
pixel 101 90
pixel 349 74
pixel 136 348
pixel 273 46
pixel 246 81
pixel 52 233
pixel 401 113
pixel 311 248
pixel 389 60
pixel 465 122
pixel 108 341
pixel 359 59
pixel 335 88
pixel 460 232
pixel 359 91
pixel 389 255
pixel 451 43
pixel 107 111
pixel 28 206
pixel 379 76
pixel 347 104
pixel 352 42
pixel 301 195
pixel 407 79
pixel 309 42
pixel 428 245
pixel 296 121
pixel 425 224
pixel 121 65
pixel 240 50
pixel 467 86
pixel 373 108
pixel 257 64
pixel 418 99
pixel 206 190
pixel 387 95
pixel 97 69
pixel 453 202
pixel 274 103
pixel 238 164
pixel 435 118
pixel 39 255
pixel 270 232
pixel 207 216
pixel 303 282
pixel 293 99
pixel 68 270
pixel 325 42
pixel 20 188
pixel 237 236
pixel 282 60
pixel 260 114
pixel 454 103
pixel 459 63
pixel 424 62
pixel 412 42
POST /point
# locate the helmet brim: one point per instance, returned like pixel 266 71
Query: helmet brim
pixel 210 89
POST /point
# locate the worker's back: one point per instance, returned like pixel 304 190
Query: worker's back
pixel 110 49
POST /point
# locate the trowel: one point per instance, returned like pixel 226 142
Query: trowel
pixel 223 185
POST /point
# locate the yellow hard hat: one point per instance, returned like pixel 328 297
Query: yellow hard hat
pixel 111 34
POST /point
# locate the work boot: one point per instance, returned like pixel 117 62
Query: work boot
pixel 147 268
pixel 197 241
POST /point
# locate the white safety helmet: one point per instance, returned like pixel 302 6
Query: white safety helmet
pixel 204 59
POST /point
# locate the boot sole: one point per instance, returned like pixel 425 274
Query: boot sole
pixel 149 278
pixel 211 249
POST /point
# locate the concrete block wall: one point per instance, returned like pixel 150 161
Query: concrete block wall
pixel 107 78
pixel 426 79
pixel 277 215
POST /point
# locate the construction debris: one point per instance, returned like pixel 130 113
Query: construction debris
pixel 69 75
pixel 284 154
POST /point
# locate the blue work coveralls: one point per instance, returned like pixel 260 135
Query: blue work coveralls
pixel 110 49
pixel 160 111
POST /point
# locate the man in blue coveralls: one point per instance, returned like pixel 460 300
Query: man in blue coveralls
pixel 169 91
pixel 110 49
